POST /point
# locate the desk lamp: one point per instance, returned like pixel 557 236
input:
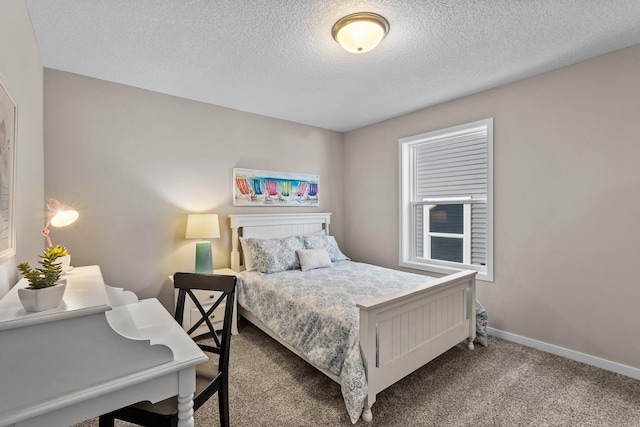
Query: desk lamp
pixel 58 216
pixel 203 226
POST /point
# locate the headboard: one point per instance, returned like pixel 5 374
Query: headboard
pixel 268 226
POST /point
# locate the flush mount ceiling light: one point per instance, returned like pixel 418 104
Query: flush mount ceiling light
pixel 360 32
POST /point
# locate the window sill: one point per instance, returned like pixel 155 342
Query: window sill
pixel 440 269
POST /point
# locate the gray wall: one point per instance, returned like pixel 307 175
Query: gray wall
pixel 21 71
pixel 134 163
pixel 567 233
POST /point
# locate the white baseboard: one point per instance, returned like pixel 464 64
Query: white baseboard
pixel 569 354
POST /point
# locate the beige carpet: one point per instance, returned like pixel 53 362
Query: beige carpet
pixel 505 384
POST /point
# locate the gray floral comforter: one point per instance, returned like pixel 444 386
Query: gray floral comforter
pixel 315 312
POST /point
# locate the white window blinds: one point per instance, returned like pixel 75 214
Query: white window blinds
pixel 455 169
pixel 449 167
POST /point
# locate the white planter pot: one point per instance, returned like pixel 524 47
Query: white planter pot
pixel 42 299
pixel 65 262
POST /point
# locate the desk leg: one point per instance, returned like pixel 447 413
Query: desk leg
pixel 186 388
pixel 185 411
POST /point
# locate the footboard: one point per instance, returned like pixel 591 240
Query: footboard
pixel 402 331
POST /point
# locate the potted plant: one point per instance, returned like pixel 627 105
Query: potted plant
pixel 45 288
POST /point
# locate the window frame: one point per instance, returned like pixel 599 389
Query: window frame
pixel 407 205
pixel 465 236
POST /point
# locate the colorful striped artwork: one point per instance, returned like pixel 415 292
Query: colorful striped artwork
pixel 252 187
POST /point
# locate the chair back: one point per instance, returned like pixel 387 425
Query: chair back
pixel 218 341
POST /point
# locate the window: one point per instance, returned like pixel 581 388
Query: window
pixel 446 205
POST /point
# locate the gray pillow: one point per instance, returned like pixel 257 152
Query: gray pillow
pixel 273 255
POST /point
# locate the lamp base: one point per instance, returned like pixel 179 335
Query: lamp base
pixel 204 258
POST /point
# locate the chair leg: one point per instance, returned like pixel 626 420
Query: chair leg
pixel 106 421
pixel 223 403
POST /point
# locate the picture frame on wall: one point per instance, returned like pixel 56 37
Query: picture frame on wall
pixel 8 140
pixel 254 187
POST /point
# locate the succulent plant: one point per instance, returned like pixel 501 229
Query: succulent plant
pixel 49 273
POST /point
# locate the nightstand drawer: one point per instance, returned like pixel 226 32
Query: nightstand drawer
pixel 216 317
pixel 205 297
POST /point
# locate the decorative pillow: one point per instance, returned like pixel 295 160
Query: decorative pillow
pixel 311 259
pixel 327 242
pixel 273 255
pixel 249 265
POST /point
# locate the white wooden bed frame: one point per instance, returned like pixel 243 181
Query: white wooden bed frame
pixel 400 331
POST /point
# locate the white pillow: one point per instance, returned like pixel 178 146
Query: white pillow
pixel 249 265
pixel 311 259
pixel 327 242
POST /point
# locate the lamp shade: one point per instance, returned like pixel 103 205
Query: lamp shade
pixel 202 226
pixel 360 32
pixel 59 216
pixel 64 217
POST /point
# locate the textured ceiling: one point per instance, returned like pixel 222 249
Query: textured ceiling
pixel 277 57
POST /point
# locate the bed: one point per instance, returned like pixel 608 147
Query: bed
pixel 338 318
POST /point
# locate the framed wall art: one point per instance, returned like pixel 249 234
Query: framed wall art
pixel 8 130
pixel 253 187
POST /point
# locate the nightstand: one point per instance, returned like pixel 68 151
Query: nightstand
pixel 206 298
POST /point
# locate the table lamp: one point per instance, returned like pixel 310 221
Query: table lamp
pixel 203 226
pixel 59 216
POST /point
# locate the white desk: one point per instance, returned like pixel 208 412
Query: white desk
pixel 100 350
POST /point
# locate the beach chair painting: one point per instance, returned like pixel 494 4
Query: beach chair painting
pixel 272 192
pixel 243 189
pixel 284 190
pixel 301 192
pixel 313 191
pixel 253 187
pixel 258 187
